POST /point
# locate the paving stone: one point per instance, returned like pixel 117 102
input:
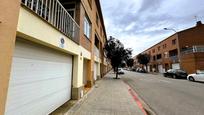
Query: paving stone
pixel 111 97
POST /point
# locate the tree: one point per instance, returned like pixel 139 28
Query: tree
pixel 143 59
pixel 116 53
pixel 123 64
pixel 130 62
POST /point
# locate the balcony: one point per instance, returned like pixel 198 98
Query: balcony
pixel 159 60
pixel 174 58
pixel 55 14
pixel 193 49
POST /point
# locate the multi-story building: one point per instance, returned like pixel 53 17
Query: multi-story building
pixel 183 50
pixel 50 50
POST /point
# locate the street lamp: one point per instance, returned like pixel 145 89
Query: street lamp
pixel 170 29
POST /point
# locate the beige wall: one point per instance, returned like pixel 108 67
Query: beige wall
pixel 9 10
pixel 91 12
pixel 39 31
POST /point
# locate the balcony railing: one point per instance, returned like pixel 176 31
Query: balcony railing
pixel 53 12
pixel 193 49
pixel 159 60
pixel 174 58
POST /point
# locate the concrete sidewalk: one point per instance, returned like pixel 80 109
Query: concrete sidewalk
pixel 109 97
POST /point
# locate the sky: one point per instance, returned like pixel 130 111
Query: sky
pixel 139 24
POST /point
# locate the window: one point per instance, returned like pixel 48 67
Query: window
pixel 90 3
pixel 164 46
pixel 70 7
pixel 101 31
pixel 158 48
pixel 165 54
pixel 87 27
pixel 153 50
pixel 159 56
pixel 72 13
pixel 154 58
pixel 173 53
pixel 174 42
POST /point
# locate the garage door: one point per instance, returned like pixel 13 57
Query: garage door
pixel 160 68
pixel 40 80
pixel 176 66
pixel 95 71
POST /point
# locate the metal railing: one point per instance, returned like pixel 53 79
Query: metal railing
pixel 193 49
pixel 174 58
pixel 53 12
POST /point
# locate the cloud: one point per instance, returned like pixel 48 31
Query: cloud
pixel 139 23
pixel 150 5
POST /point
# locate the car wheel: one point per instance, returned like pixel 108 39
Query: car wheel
pixel 174 76
pixel 191 78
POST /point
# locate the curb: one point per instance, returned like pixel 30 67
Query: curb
pixel 142 105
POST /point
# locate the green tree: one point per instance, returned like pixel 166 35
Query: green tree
pixel 116 53
pixel 130 62
pixel 143 59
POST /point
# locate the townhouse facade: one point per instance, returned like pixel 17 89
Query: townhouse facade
pixel 182 50
pixel 51 52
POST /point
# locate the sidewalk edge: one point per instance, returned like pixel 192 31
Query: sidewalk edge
pixel 144 106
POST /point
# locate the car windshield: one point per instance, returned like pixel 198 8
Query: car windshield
pixel 170 70
pixel 178 70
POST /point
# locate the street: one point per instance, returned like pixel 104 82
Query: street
pixel 167 96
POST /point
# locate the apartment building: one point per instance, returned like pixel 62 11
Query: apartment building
pixel 182 50
pixel 50 50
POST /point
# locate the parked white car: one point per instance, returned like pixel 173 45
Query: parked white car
pixel 198 76
pixel 121 71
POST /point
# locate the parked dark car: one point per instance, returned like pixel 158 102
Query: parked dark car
pixel 175 73
pixel 133 69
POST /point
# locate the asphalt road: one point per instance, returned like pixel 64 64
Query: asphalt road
pixel 167 96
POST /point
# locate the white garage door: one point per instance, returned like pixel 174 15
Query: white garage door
pixel 160 68
pixel 148 68
pixel 40 80
pixel 176 66
pixel 95 71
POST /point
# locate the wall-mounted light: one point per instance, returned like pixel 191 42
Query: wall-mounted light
pixel 62 41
